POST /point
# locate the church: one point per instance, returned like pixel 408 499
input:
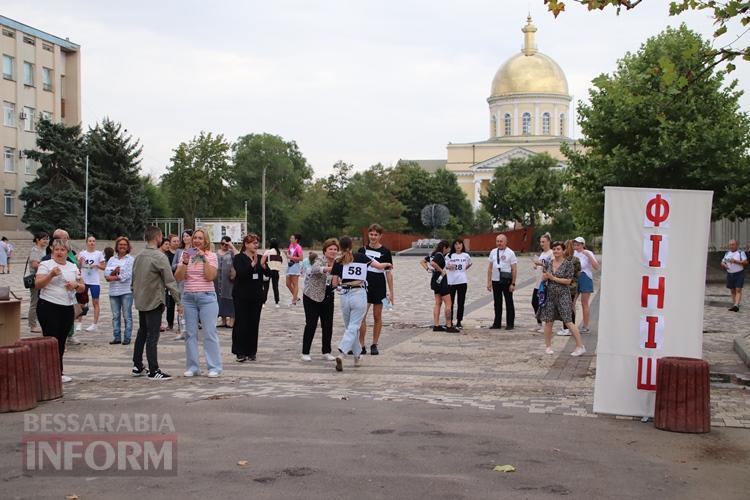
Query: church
pixel 529 107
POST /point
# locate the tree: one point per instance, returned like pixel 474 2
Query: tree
pixel 117 199
pixel 369 199
pixel 435 216
pixel 524 189
pixel 723 12
pixel 199 177
pixel 55 198
pixel 286 173
pixel 156 198
pixel 642 130
pixel 315 216
pixel 482 222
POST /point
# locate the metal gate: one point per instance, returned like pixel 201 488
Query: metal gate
pixel 169 226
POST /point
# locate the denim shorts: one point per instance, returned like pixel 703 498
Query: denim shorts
pixel 585 284
pixel 294 269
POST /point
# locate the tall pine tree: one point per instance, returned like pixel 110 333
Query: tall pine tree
pixel 117 200
pixel 55 197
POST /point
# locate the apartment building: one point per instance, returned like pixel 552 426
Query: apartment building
pixel 41 78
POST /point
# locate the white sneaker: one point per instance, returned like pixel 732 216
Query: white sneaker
pixel 584 329
pixel 181 336
pixel 74 341
pixel 66 379
pixel 538 329
pixel 189 373
pixel 79 326
pixel 213 373
pixel 578 351
pixel 306 357
pixel 329 357
pixel 277 306
pixel 549 351
pixel 92 328
pixel 358 361
pixel 563 332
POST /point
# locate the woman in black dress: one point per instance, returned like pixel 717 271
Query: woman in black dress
pixel 248 299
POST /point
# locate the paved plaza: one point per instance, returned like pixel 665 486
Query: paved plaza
pixel 485 375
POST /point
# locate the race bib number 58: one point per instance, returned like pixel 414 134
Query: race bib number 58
pixel 355 271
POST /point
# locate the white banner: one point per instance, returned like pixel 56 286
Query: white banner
pixel 652 291
pixel 218 230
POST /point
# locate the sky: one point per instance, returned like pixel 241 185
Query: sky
pixel 360 81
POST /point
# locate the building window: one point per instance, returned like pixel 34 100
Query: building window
pixel 47 47
pixel 508 124
pixel 29 163
pixel 562 124
pixel 9 156
pixel 29 40
pixel 9 33
pixel 7 67
pixel 28 74
pixel 10 197
pixel 9 114
pixel 493 126
pixel 47 115
pixel 28 119
pixel 546 123
pixel 526 124
pixel 47 79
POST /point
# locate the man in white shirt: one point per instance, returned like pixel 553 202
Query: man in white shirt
pixel 501 280
pixel 734 262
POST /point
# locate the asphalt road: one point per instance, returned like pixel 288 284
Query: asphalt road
pixel 318 447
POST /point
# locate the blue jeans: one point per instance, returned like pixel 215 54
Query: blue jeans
pixel 354 308
pixel 203 306
pixel 122 305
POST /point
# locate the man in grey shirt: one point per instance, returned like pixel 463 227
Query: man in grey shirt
pixel 152 272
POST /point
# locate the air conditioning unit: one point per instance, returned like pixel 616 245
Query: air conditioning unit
pixel 21 153
pixel 22 116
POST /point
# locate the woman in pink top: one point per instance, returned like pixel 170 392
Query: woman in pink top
pixel 197 268
pixel 294 257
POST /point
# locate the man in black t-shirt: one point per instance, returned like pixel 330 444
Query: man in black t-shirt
pixel 376 286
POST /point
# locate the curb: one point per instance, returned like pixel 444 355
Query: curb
pixel 742 348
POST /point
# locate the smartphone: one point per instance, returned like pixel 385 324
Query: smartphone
pixel 192 251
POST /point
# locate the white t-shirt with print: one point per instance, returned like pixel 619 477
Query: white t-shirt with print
pixel 456 265
pixel 90 267
pixel 501 260
pixel 55 291
pixel 732 267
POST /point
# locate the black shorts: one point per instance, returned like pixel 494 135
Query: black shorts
pixel 442 288
pixel 376 290
pixel 736 280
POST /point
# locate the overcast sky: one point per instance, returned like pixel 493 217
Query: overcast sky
pixel 360 81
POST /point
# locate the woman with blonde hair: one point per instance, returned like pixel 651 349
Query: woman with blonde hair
pixel 197 268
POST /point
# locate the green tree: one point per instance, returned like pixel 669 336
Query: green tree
pixel 642 130
pixel 55 198
pixel 369 199
pixel 315 216
pixel 724 14
pixel 524 189
pixel 482 222
pixel 156 197
pixel 286 173
pixel 199 177
pixel 117 199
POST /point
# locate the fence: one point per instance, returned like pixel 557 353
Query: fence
pixel 169 226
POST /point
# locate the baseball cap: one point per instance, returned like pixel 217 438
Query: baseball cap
pixel 580 239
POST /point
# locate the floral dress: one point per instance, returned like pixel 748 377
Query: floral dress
pixel 558 306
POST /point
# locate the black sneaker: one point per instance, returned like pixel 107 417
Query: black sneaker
pixel 374 350
pixel 350 353
pixel 251 358
pixel 496 327
pixel 509 327
pixel 364 351
pixel 241 359
pixel 451 329
pixel 113 342
pixel 438 328
pixel 138 372
pixel 125 342
pixel 159 375
pixel 459 326
pixel 735 308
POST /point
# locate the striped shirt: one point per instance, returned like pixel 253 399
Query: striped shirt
pixel 121 286
pixel 195 281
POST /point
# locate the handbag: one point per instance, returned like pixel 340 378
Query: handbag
pixel 28 279
pixel 505 276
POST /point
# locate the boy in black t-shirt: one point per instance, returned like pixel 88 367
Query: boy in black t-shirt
pixel 376 286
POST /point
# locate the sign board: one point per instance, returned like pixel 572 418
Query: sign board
pixel 218 230
pixel 652 291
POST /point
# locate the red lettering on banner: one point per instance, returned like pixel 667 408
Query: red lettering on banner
pixel 658 291
pixel 646 374
pixel 655 247
pixel 657 210
pixel 651 338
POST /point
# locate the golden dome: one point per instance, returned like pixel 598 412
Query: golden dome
pixel 529 72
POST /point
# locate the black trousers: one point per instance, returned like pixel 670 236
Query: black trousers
pixel 500 291
pixel 535 303
pixel 313 312
pixel 56 321
pixel 170 309
pixel 149 324
pixel 267 284
pixel 245 328
pixel 459 290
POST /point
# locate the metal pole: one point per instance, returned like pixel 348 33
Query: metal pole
pixel 86 211
pixel 263 210
pixel 245 216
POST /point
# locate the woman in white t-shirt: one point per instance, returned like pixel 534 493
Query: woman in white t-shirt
pixel 585 278
pixel 545 241
pixel 91 261
pixel 275 261
pixel 57 280
pixel 457 262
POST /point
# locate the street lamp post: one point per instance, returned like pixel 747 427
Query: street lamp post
pixel 245 217
pixel 263 209
pixel 86 210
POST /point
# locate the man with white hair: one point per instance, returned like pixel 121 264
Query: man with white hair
pixel 734 262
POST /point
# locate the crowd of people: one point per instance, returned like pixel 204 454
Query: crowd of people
pixel 182 280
